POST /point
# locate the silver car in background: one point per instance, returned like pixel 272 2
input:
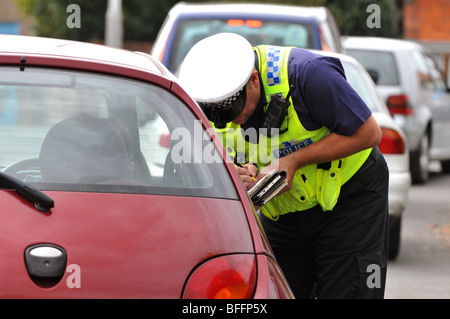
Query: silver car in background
pixel 412 86
pixel 393 146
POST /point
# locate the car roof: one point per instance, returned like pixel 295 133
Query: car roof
pixel 255 8
pixel 378 43
pixel 75 54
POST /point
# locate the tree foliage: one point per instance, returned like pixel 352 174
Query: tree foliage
pixel 50 16
pixel 143 18
pixel 352 16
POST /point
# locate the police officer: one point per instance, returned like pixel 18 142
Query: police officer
pixel 328 229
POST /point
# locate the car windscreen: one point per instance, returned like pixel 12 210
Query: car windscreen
pixel 382 62
pixel 81 131
pixel 257 32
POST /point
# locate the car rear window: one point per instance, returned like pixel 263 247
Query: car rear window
pixel 257 32
pixel 380 61
pixel 80 131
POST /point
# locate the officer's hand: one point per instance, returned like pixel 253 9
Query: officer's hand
pixel 245 173
pixel 282 164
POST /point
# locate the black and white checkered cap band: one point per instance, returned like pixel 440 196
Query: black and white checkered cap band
pixel 226 102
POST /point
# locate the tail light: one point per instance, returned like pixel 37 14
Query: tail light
pixel 247 23
pixel 391 142
pixel 399 104
pixel 254 23
pixel 226 277
pixel 235 23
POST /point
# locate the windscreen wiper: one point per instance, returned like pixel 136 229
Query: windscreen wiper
pixel 41 201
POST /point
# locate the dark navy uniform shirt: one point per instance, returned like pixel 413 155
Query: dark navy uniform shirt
pixel 321 95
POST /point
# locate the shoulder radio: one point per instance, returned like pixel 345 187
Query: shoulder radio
pixel 275 114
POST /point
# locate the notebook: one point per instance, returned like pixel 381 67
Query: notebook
pixel 267 187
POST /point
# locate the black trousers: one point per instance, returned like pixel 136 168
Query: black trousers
pixel 340 253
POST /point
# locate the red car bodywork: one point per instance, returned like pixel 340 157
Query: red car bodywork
pixel 126 245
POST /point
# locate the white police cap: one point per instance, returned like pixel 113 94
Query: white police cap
pixel 217 68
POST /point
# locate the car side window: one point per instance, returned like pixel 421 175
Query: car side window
pixel 79 131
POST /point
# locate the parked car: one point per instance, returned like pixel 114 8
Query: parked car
pixel 82 217
pixel 415 93
pixel 393 146
pixel 285 25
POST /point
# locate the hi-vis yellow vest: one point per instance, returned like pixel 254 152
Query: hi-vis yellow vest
pixel 313 184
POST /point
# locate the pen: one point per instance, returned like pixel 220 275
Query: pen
pixel 240 165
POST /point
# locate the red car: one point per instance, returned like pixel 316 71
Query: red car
pixel 86 213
